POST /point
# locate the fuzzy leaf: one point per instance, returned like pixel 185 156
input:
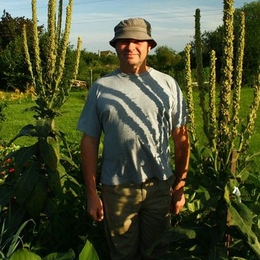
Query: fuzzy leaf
pixel 50 150
pixel 88 252
pixel 62 173
pixel 22 156
pixel 35 202
pixel 54 181
pixel 69 160
pixel 28 130
pixel 242 225
pixel 6 193
pixel 70 255
pixel 24 254
pixel 27 182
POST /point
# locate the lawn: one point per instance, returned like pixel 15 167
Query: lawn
pixel 17 117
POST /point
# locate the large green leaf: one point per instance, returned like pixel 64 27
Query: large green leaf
pixel 69 160
pixel 70 255
pixel 50 150
pixel 16 216
pixel 24 254
pixel 23 156
pixel 63 174
pixel 35 202
pixel 237 220
pixel 6 193
pixel 88 252
pixel 27 182
pixel 28 130
pixel 244 212
pixel 54 181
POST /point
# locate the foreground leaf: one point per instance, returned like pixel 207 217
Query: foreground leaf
pixel 24 254
pixel 70 255
pixel 242 225
pixel 88 252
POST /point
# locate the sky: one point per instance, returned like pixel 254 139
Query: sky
pixel 94 20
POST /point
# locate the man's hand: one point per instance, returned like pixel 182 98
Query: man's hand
pixel 95 207
pixel 178 201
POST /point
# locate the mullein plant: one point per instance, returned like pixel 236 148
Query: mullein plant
pixel 226 83
pixel 200 74
pixel 39 172
pixel 238 79
pixel 221 118
pixel 48 78
pixel 218 221
pixel 212 104
pixel 189 96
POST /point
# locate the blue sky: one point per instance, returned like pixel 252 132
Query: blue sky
pixel 94 20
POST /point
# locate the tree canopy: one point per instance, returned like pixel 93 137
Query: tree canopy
pixel 13 69
pixel 212 40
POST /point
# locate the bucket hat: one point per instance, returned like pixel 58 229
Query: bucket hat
pixel 133 28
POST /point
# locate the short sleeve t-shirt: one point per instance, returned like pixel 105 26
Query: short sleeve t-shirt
pixel 137 114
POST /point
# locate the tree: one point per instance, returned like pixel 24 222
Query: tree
pixel 13 70
pixel 166 59
pixel 212 40
pixel 252 39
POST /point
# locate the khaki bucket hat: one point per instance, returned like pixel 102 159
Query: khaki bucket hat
pixel 133 28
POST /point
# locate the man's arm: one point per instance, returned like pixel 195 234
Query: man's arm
pixel 181 157
pixel 89 155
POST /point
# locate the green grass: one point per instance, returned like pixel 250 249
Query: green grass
pixel 245 103
pixel 16 118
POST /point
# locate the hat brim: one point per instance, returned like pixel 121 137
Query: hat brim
pixel 134 37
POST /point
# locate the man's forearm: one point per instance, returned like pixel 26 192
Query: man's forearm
pixel 89 155
pixel 181 156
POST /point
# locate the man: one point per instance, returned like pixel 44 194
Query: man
pixel 138 109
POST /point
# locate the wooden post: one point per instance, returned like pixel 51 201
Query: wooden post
pixel 234 162
pixel 91 78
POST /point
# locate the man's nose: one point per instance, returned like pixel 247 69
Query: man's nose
pixel 131 45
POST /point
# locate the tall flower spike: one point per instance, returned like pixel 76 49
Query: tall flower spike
pixel 65 40
pixel 39 82
pixel 79 44
pixel 27 55
pixel 249 130
pixel 190 102
pixel 59 22
pixel 238 77
pixel 212 103
pixel 226 81
pixel 52 46
pixel 200 76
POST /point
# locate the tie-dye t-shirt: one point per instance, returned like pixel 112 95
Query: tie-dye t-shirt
pixel 137 114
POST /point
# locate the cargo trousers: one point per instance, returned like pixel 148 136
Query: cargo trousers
pixel 135 215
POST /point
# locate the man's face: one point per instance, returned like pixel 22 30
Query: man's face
pixel 132 53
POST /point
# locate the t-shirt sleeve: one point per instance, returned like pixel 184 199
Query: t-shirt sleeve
pixel 89 122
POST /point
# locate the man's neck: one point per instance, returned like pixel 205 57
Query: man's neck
pixel 134 69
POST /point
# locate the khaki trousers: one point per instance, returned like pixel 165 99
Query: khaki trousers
pixel 135 215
